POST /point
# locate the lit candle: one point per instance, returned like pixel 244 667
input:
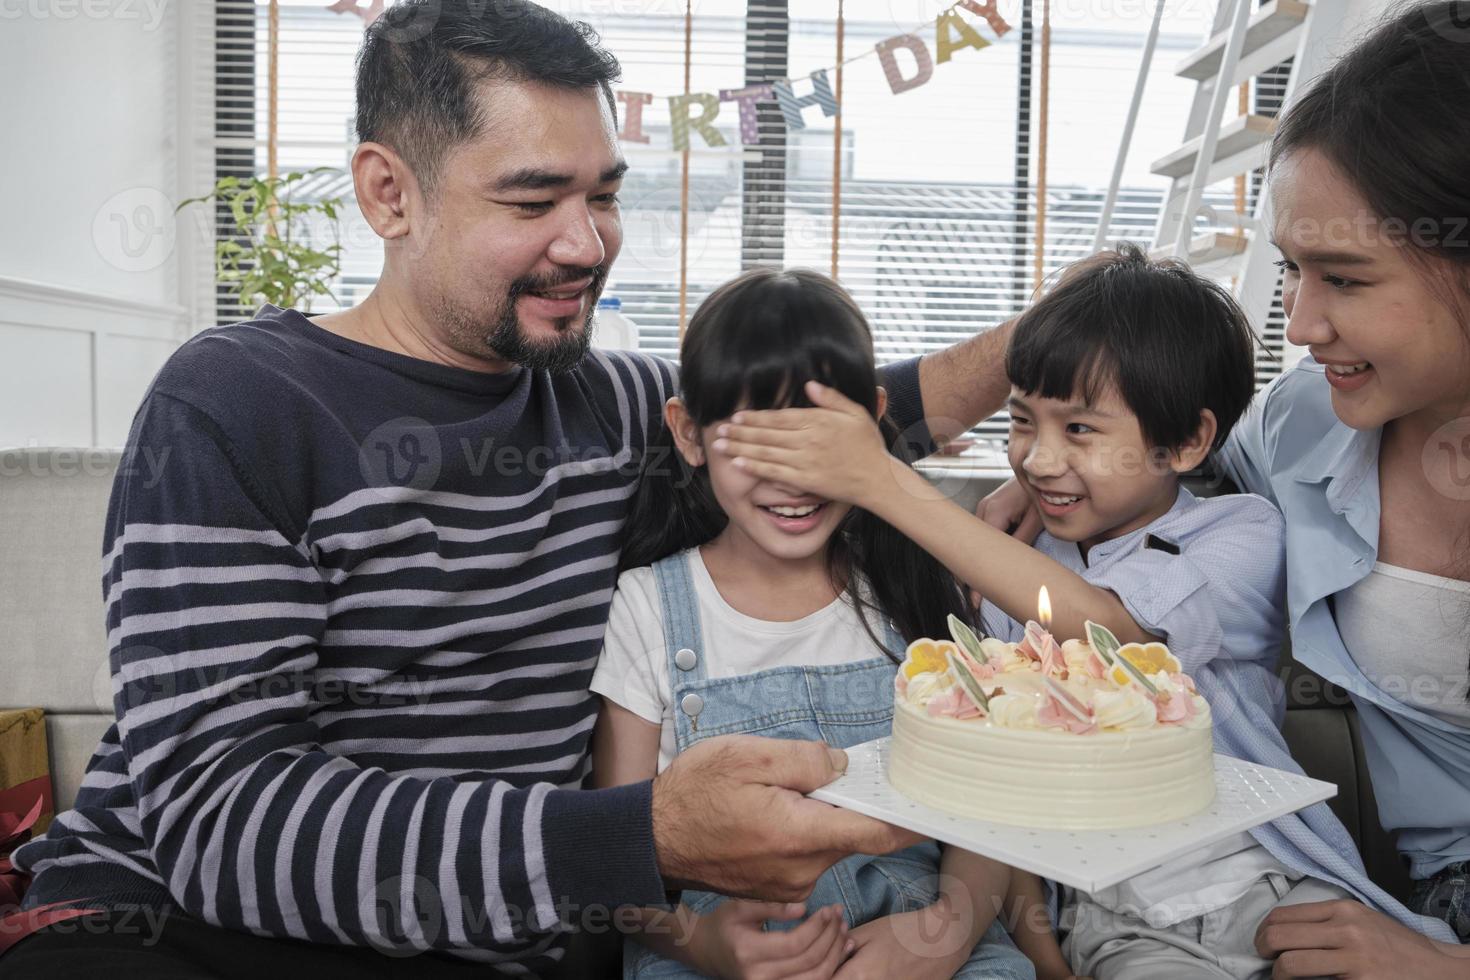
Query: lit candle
pixel 1043 609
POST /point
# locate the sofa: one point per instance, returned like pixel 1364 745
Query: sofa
pixel 52 506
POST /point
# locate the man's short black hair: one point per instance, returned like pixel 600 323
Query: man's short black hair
pixel 1171 342
pixel 420 62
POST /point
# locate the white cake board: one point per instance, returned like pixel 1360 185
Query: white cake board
pixel 1246 796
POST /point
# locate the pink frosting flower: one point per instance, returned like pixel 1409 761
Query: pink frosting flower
pixel 1175 708
pixel 1055 714
pixel 953 703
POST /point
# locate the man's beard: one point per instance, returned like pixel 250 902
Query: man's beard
pixel 569 346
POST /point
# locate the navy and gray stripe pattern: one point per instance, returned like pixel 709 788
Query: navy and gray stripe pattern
pixel 351 628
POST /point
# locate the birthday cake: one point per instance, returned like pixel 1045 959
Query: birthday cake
pixel 1081 735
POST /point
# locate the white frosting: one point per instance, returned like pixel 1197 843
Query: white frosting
pixel 1049 778
pixel 1130 770
pixel 1126 709
pixel 1014 710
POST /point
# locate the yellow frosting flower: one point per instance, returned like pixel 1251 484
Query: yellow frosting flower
pixel 927 655
pixel 1150 658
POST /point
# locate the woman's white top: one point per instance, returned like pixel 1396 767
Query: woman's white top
pixel 1409 633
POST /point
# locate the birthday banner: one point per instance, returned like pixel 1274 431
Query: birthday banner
pixel 696 112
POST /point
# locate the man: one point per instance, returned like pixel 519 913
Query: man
pixel 352 628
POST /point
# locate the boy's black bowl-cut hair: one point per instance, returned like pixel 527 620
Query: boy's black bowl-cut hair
pixel 1169 341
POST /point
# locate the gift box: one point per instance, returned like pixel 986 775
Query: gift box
pixel 25 773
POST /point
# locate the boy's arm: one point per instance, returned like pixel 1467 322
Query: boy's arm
pixel 1007 572
pixel 836 451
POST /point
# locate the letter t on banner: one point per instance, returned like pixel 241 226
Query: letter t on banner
pixel 791 106
pixel 749 114
pixel 925 61
pixel 682 122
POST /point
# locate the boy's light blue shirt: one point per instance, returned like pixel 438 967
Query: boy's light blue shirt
pixel 1291 448
pixel 1219 604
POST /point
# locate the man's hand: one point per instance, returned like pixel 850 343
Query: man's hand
pixel 729 816
pixel 1009 509
pixel 1347 939
pixel 730 943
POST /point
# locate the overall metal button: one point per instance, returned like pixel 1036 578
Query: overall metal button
pixel 692 704
pixel 685 659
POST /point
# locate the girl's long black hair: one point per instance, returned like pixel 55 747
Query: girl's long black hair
pixel 753 344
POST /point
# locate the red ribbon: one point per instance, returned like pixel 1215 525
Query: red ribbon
pixel 15 830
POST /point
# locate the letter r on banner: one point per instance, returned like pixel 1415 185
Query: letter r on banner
pixel 681 121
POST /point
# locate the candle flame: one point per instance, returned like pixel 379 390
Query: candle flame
pixel 1043 608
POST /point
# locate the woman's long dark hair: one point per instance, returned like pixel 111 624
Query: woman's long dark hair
pixel 754 343
pixel 1389 115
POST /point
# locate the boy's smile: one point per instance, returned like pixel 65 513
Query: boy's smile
pixel 1087 467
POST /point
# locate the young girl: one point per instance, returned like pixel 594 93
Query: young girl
pixel 774 612
pixel 1127 374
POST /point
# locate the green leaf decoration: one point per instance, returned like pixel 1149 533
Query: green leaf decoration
pixel 1101 639
pixel 966 638
pixel 961 670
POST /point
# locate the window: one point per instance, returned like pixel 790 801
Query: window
pixel 937 232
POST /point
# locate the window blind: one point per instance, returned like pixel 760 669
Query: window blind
pixel 938 202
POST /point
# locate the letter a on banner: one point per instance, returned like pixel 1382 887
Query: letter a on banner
pixel 948 44
pixel 920 50
pixel 680 121
pixel 791 106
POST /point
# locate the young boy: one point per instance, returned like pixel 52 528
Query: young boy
pixel 1125 376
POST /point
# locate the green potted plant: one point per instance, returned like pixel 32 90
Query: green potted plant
pixel 269 257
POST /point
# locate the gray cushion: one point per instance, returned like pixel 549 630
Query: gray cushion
pixel 52 506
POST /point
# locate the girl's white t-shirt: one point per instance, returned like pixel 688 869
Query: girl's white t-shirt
pixel 634 668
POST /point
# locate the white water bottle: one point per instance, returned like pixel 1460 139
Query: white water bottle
pixel 612 330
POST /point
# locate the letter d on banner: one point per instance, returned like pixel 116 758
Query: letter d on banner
pixel 920 50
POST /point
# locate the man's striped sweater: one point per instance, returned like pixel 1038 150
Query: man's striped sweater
pixel 353 608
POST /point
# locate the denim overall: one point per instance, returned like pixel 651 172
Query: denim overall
pixel 843 705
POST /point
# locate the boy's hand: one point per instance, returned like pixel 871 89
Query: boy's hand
pixel 929 944
pixel 730 943
pixel 833 450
